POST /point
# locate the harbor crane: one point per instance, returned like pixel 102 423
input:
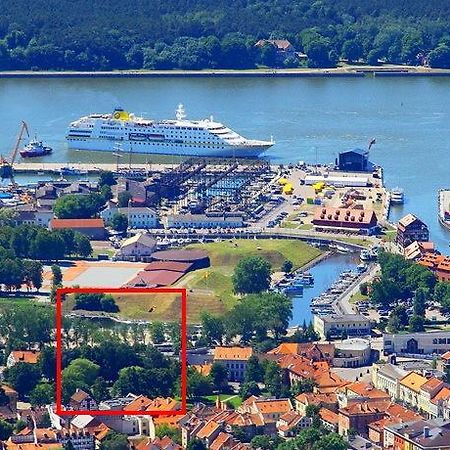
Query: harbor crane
pixel 7 164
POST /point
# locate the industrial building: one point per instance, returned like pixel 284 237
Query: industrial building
pixel 356 160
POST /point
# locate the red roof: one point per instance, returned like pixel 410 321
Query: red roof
pixel 173 266
pixel 155 278
pixel 76 223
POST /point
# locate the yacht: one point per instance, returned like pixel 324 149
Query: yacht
pixel 397 196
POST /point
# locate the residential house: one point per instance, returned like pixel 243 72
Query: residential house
pixel 416 250
pixel 291 422
pixel 138 217
pixel 328 401
pixel 410 229
pixel 409 389
pixel 82 401
pixel 359 392
pixel 33 215
pixel 92 228
pixel 314 351
pixel 137 247
pixel 284 49
pixel 419 435
pixel 329 419
pixel 25 356
pixel 165 443
pixel 234 359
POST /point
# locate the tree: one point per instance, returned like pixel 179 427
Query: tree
pixel 420 298
pixel 119 222
pixel 269 55
pixel 198 385
pixel 251 275
pixel 166 430
pixel 352 50
pixel 253 370
pixel 440 57
pixel 33 273
pixel 123 199
pixel 80 373
pixel 273 379
pixel 57 275
pixel 305 385
pixel 398 319
pixel 196 444
pixel 42 394
pixel 219 376
pixel 416 323
pixel 4 399
pixel 114 441
pixel 213 328
pixel 287 266
pixel 248 389
pixel 157 332
pixel 265 442
pixel 47 362
pixel 83 245
pixel 100 390
pixel 6 430
pixel 106 178
pixel 23 377
pixel 312 411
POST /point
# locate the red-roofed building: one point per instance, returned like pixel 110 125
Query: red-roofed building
pixel 92 228
pixel 25 356
pixel 155 278
pixel 356 220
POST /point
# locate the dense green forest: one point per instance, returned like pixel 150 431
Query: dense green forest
pixel 196 34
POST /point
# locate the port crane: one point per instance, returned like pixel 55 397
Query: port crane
pixel 7 164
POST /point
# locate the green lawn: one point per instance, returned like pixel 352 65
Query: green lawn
pixel 234 400
pixel 358 297
pixel 12 301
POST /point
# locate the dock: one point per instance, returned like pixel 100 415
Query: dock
pixel 55 167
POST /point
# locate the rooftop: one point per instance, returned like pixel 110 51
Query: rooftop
pixel 413 381
pixel 76 223
pixel 233 353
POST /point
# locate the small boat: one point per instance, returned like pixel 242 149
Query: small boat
pixel 35 148
pixel 397 196
pixel 342 249
pixel 71 171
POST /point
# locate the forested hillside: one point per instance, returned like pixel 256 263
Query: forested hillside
pixel 195 34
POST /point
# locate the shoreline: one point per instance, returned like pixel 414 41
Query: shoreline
pixel 340 72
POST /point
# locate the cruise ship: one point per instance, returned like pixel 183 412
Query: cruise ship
pixel 129 133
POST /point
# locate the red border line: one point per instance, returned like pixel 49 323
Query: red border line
pixel 164 290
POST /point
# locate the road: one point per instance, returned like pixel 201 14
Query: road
pixel 342 303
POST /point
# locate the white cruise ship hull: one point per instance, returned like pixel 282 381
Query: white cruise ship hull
pixel 123 132
pixel 175 149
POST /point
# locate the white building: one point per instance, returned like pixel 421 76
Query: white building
pixel 209 220
pixel 138 247
pixel 339 324
pixel 386 377
pixel 138 217
pixel 335 180
pixel 435 342
pixel 355 352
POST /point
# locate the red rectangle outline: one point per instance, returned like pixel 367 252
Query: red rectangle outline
pixel 65 412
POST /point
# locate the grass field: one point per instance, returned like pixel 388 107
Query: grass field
pixel 211 289
pixel 358 297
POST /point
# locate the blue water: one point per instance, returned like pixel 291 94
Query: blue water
pixel 311 119
pixel 325 274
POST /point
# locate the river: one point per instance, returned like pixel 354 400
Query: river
pixel 311 119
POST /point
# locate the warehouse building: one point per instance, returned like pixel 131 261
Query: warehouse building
pixel 356 160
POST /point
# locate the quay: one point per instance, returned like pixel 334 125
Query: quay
pixel 90 168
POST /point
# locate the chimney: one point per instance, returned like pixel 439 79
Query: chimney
pixel 426 432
